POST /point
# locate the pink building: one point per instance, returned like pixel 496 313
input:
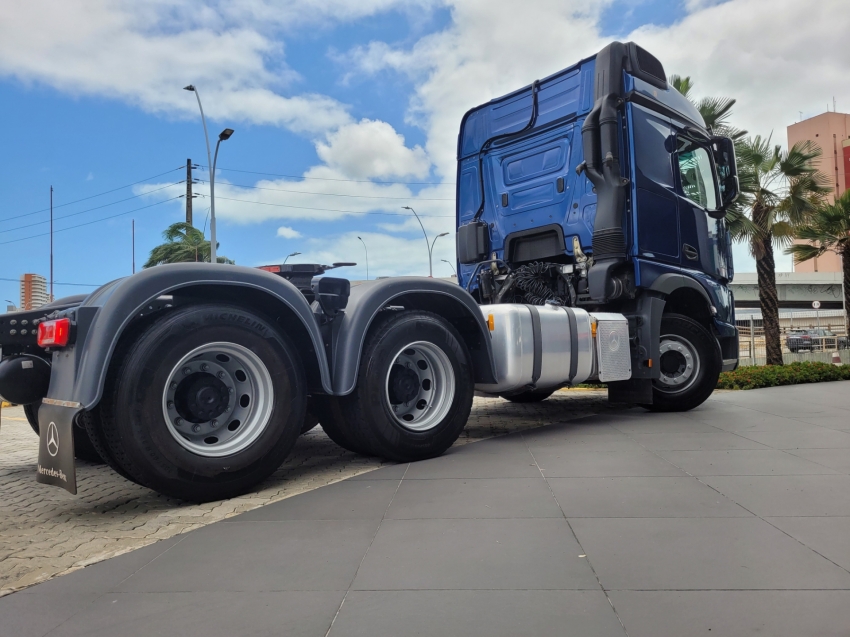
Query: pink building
pixel 830 131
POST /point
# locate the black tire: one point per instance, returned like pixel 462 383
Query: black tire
pixel 373 425
pixel 535 396
pixel 338 429
pixel 146 446
pixel 310 418
pixel 83 447
pixel 704 352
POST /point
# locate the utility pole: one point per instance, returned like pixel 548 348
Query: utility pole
pixel 51 243
pixel 189 191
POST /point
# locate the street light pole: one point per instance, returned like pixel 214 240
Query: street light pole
pixel 427 244
pixel 444 234
pixel 367 257
pixel 294 254
pixel 450 265
pixel 211 163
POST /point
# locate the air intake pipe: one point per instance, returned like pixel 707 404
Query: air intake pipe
pixel 600 141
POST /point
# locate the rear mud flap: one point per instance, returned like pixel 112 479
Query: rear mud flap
pixel 56 464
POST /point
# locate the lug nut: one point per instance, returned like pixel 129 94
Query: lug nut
pixel 186 371
pixel 215 423
pixel 230 389
pixel 173 385
pixel 221 374
pixel 171 404
pixel 204 367
pixel 178 421
pixel 196 428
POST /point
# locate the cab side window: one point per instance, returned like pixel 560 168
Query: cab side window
pixel 696 174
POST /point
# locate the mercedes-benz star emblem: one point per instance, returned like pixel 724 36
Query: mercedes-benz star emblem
pixel 52 439
pixel 613 341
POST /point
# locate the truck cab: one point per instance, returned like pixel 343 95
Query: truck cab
pixel 601 187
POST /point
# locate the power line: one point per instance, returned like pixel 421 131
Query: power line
pixel 88 223
pixel 85 285
pixel 35 212
pixel 331 194
pixel 357 181
pixel 106 205
pixel 351 212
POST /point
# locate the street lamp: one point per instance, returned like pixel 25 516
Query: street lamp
pixel 427 245
pixel 450 265
pixel 294 254
pixel 223 136
pixel 444 234
pixel 367 258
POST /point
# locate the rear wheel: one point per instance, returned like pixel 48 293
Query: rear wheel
pixel 83 447
pixel 220 403
pixel 690 365
pixel 414 391
pixel 535 396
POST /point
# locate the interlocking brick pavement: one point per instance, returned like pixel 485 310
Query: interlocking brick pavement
pixel 45 531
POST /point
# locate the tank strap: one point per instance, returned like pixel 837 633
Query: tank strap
pixel 537 335
pixel 571 316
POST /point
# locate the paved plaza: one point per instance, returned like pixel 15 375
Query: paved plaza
pixel 732 519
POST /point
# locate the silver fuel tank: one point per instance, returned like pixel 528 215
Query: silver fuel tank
pixel 543 346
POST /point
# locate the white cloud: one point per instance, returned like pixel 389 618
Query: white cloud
pixel 372 149
pixel 288 233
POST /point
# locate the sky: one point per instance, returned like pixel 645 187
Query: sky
pixel 344 111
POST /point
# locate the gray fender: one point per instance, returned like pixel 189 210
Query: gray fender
pixel 79 372
pixel 667 283
pixel 441 297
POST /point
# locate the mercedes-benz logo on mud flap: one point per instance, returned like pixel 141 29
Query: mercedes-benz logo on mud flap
pixel 614 341
pixel 52 439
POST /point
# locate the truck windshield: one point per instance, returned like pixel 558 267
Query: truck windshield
pixel 696 173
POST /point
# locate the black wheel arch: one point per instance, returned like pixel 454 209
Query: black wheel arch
pixel 447 300
pixel 117 309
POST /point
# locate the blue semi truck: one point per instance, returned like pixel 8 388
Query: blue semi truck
pixel 591 247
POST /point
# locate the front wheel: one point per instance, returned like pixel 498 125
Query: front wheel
pixel 690 365
pixel 414 389
pixel 206 403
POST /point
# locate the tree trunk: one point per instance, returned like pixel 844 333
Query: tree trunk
pixel 766 269
pixel 845 259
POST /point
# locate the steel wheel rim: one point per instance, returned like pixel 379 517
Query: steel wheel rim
pixel 689 364
pixel 432 400
pixel 247 401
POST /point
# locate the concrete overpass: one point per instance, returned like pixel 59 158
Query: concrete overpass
pixel 796 290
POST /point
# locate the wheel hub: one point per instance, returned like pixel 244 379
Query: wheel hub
pixel 201 397
pixel 679 363
pixel 404 384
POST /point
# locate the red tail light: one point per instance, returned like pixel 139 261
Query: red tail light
pixel 55 333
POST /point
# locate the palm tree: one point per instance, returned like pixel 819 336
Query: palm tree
pixel 828 230
pixel 183 243
pixel 782 190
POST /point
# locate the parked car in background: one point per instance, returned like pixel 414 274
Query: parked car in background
pixel 811 340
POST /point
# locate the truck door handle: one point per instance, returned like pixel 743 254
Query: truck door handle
pixel 690 252
pixel 504 200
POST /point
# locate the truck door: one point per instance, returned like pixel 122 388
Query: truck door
pixel 656 209
pixel 704 240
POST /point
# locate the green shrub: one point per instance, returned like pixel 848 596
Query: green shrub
pixel 774 375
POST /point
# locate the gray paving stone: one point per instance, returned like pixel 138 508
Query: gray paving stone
pixel 474 554
pixel 641 498
pixel 829 536
pixel 512 460
pixel 816 495
pixel 557 462
pixel 260 556
pixel 701 553
pixel 295 613
pixel 476 614
pixel 694 441
pixel 822 439
pixel 744 462
pixel 733 613
pixel 36 615
pixel 474 498
pixel 837 459
pixel 348 500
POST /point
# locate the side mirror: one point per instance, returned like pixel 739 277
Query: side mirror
pixel 727 172
pixel 332 294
